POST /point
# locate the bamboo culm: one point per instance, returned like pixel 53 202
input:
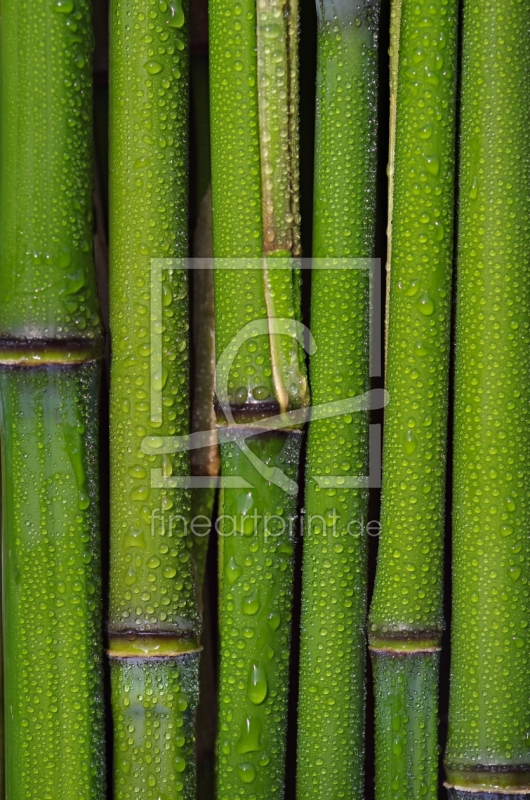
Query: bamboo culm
pixel 50 357
pixel 406 615
pixel 331 708
pixel 253 91
pixel 488 750
pixel 153 617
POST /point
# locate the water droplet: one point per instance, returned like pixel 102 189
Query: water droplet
pixel 257 687
pixel 249 741
pixel 177 14
pixel 153 67
pixel 169 572
pixel 261 392
pixel 232 571
pixel 137 472
pixel 251 603
pixel 274 620
pixel 432 165
pixel 179 763
pixel 63 6
pixel 411 443
pixel 426 131
pixel 246 772
pixel 426 305
pixel 141 493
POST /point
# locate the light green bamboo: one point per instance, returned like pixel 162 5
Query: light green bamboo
pixel 153 615
pixel 50 353
pixel 253 89
pixel 332 659
pixel 488 750
pixel 406 615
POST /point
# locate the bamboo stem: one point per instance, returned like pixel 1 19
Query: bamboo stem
pixel 153 619
pixel 50 360
pixel 54 728
pixel 406 619
pixel 259 374
pixel 488 751
pixel 332 668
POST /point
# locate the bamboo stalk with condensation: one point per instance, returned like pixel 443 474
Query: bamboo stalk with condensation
pixel 406 615
pixel 253 90
pixel 332 660
pixel 153 616
pixel 50 361
pixel 488 750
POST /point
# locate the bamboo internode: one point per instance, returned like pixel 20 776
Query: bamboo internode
pixel 50 354
pixel 406 615
pixel 332 680
pixel 253 80
pixel 154 622
pixel 488 749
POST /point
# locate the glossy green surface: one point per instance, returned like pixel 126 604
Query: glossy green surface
pixel 408 589
pixel 490 702
pixel 275 94
pixel 406 612
pixel 154 715
pixel 406 700
pixel 52 611
pixel 332 688
pixel 47 283
pixel 153 579
pixel 152 572
pixel 236 175
pixel 259 373
pixel 236 192
pixel 257 526
pixel 48 415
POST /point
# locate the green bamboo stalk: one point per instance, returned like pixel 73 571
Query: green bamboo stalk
pixel 50 357
pixel 488 751
pixel 406 616
pixel 332 658
pixel 253 86
pixel 153 616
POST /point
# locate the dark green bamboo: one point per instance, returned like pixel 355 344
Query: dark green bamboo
pixel 488 750
pixel 204 460
pixel 50 354
pixel 332 659
pixel 406 616
pixel 253 86
pixel 153 615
